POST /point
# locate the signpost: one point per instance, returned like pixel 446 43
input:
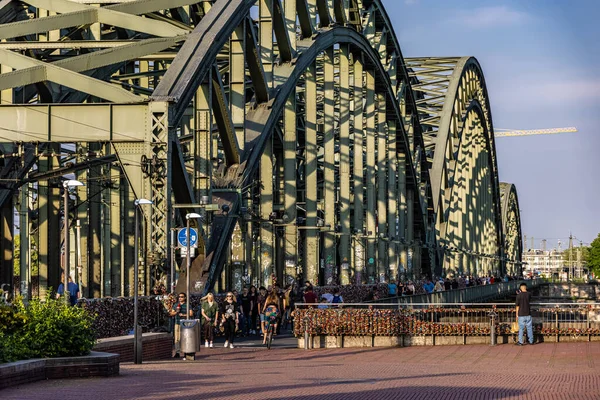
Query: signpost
pixel 182 237
pixel 182 241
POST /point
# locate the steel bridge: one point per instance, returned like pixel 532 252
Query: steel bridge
pixel 330 157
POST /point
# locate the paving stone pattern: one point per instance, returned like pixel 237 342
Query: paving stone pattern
pixel 544 371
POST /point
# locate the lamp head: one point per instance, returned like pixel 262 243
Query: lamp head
pixel 72 183
pixel 138 202
pixel 192 216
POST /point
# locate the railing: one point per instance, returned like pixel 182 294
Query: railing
pixel 448 319
pixel 465 295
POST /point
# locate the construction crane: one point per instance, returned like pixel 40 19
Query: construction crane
pixel 507 132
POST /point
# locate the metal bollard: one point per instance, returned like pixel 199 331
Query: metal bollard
pixel 493 316
pixel 306 335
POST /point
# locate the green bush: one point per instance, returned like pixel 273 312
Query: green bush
pixel 10 319
pixel 49 329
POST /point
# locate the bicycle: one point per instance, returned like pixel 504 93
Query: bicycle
pixel 270 322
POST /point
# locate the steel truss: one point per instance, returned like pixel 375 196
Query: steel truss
pixel 298 118
pixel 454 110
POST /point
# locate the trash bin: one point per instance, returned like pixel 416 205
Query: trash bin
pixel 190 335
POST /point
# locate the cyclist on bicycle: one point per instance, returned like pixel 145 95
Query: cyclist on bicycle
pixel 271 312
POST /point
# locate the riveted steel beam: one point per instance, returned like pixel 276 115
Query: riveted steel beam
pixel 266 209
pixel 392 200
pixel 311 256
pixel 290 171
pixel 358 172
pixel 344 169
pixel 62 123
pixel 202 141
pixel 197 55
pixel 382 194
pixel 329 178
pixel 325 18
pixel 371 176
pixel 265 28
pixel 282 35
pixel 291 16
pixel 304 18
pixel 340 10
pixel 255 67
pixel 237 82
pixel 65 77
pixel 72 14
pixel 6 245
pixel 49 224
pixel 402 214
pixel 223 119
pixel 139 7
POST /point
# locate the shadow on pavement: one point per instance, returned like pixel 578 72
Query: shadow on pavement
pixel 416 393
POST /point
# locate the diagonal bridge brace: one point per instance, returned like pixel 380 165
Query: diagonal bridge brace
pixel 74 14
pixel 43 71
pixel 33 70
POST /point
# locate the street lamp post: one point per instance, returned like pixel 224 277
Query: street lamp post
pixel 188 259
pixel 66 185
pixel 137 334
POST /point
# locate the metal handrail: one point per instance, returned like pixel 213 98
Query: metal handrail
pixel 466 294
pixel 445 319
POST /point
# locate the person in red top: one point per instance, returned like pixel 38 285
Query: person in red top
pixel 309 295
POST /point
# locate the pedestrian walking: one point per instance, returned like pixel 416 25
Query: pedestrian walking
pixel 230 318
pixel 254 313
pixel 179 310
pixel 210 317
pixel 72 288
pixel 262 297
pixel 524 314
pixel 309 296
pixel 246 310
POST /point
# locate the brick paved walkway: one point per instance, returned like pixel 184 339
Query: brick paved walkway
pixel 543 371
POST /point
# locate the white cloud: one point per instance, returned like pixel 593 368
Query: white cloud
pixel 487 17
pixel 551 92
pixel 570 90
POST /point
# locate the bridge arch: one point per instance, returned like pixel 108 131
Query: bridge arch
pixel 456 115
pixel 396 171
pixel 511 225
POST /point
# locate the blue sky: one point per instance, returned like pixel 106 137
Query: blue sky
pixel 540 59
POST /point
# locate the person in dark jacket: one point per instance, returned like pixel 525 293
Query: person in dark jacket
pixel 230 318
pixel 179 311
pixel 524 314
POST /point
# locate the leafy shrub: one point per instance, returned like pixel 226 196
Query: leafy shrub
pixel 10 319
pixel 49 329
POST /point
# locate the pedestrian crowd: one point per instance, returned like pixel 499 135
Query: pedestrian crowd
pixel 237 314
pixel 245 314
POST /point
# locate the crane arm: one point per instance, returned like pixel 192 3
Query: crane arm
pixel 508 133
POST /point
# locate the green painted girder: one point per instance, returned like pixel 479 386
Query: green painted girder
pixel 40 71
pixel 197 55
pixel 73 14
